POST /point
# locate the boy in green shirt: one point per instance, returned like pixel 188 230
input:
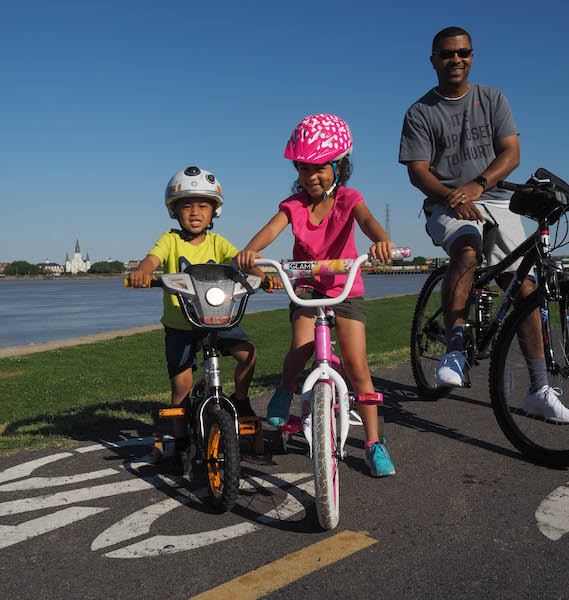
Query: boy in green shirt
pixel 194 198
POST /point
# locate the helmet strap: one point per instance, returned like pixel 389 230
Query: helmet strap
pixel 188 236
pixel 336 176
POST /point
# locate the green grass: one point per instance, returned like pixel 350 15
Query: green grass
pixel 53 399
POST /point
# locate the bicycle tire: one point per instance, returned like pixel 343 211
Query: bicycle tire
pixel 222 460
pixel 428 337
pixel 324 444
pixel 539 440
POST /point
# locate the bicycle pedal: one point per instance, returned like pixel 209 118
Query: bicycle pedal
pixel 370 398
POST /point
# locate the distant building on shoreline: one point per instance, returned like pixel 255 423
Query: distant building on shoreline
pixel 50 267
pixel 77 264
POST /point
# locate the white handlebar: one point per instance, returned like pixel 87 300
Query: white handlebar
pixel 266 262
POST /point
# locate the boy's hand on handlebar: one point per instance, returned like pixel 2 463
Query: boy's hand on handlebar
pixel 245 259
pixel 272 283
pixel 139 278
pixel 381 251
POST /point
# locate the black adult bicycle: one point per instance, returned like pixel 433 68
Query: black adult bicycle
pixel 491 327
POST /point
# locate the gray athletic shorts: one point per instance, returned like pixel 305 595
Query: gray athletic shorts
pixel 495 242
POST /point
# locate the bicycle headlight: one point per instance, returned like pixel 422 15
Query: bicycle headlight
pixel 215 296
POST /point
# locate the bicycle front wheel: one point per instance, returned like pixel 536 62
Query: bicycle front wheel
pixel 538 438
pixel 324 455
pixel 222 460
pixel 428 336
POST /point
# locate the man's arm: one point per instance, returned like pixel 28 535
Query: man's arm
pixel 507 159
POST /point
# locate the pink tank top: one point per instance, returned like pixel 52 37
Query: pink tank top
pixel 333 238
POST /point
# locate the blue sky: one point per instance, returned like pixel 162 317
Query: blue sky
pixel 103 101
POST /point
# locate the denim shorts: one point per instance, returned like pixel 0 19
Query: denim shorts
pixel 350 308
pixel 182 345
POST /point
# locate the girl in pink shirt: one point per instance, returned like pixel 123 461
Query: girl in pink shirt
pixel 323 213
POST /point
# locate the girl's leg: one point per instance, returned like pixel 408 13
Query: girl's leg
pixel 301 346
pixel 300 351
pixel 352 338
pixel 351 335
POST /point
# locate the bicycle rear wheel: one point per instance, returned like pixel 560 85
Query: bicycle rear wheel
pixel 428 336
pixel 324 447
pixel 222 459
pixel 542 441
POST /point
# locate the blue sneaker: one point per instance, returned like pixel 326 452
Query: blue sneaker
pixel 378 460
pixel 279 407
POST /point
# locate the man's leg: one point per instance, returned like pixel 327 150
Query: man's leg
pixel 456 300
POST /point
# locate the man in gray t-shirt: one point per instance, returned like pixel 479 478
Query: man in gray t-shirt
pixel 458 141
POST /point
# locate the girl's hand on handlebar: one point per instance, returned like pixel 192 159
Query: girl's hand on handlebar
pixel 245 259
pixel 139 278
pixel 381 251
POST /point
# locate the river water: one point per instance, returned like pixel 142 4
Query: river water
pixel 38 311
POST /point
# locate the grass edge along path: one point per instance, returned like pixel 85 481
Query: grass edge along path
pixel 58 398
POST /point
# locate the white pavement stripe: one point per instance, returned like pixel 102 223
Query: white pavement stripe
pixel 73 496
pixel 160 545
pixel 37 483
pixel 145 441
pixel 29 467
pixel 139 523
pixel 552 514
pixel 13 534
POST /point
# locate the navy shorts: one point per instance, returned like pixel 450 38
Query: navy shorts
pixel 182 345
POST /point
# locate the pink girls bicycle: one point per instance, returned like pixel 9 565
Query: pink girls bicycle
pixel 325 389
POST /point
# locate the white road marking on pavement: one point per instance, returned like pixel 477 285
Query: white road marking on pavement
pixel 36 483
pixel 27 468
pixel 552 514
pixel 140 522
pixel 13 534
pixel 14 507
pixel 160 545
pixel 145 441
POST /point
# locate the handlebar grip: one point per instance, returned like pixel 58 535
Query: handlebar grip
pixel 149 283
pixel 268 284
pixel 506 185
pixel 397 253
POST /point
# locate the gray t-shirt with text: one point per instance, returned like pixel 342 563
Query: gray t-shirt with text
pixel 458 137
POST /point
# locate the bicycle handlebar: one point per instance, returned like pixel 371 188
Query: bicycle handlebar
pixel 323 268
pixel 514 187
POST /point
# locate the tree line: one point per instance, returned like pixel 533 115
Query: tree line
pixel 24 268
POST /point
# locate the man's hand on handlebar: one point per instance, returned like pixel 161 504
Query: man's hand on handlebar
pixel 381 251
pixel 272 283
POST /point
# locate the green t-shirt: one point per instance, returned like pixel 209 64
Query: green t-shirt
pixel 170 247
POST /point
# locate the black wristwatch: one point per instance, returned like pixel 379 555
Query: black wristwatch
pixel 481 181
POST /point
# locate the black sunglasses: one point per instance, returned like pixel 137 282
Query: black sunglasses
pixel 446 53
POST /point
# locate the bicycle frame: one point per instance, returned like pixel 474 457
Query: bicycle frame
pixel 324 357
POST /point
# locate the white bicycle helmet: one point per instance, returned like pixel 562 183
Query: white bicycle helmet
pixel 194 182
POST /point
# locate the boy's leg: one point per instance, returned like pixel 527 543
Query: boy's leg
pixel 245 355
pixel 181 385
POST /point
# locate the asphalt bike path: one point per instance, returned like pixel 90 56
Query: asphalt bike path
pixel 464 517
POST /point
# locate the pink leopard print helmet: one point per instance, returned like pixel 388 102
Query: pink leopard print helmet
pixel 319 139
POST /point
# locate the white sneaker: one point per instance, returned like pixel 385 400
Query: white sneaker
pixel 451 367
pixel 546 403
